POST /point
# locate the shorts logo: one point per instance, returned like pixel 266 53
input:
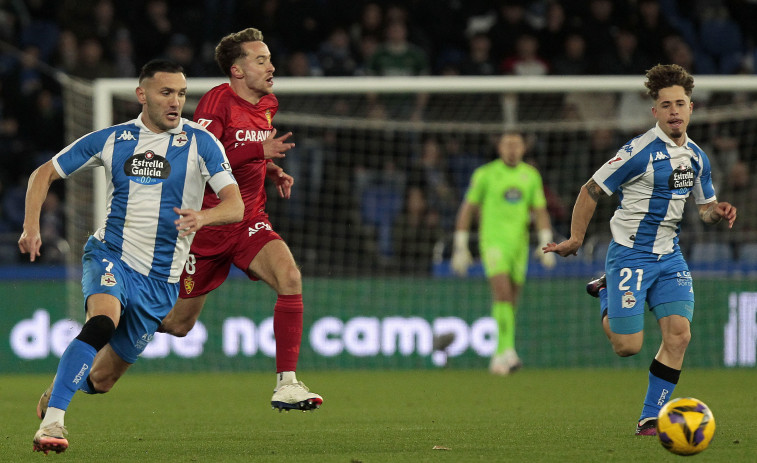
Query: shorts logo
pixel 257 227
pixel 628 300
pixel 189 284
pixel 143 341
pixel 108 279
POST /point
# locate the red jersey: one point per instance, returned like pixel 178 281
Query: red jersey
pixel 241 127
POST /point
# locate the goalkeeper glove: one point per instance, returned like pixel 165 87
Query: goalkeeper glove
pixel 461 256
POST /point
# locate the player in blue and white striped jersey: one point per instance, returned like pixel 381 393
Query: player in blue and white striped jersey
pixel 653 175
pixel 156 166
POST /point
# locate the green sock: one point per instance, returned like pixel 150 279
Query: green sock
pixel 504 314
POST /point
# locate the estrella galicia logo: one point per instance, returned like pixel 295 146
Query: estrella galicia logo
pixel 147 168
pixel 681 179
pixel 513 195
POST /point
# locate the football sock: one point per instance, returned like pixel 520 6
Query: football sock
pixel 72 371
pixel 52 415
pixel 74 365
pixel 285 377
pixel 504 314
pixel 662 382
pixel 287 328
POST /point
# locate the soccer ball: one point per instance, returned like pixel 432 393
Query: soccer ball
pixel 685 426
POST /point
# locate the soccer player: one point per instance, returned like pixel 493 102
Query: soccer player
pixel 157 166
pixel 504 193
pixel 653 174
pixel 240 113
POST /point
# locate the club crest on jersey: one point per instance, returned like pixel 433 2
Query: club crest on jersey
pixel 269 118
pixel 628 300
pixel 180 139
pixel 513 195
pixel 108 279
pixel 147 168
pixel 681 179
pixel 189 284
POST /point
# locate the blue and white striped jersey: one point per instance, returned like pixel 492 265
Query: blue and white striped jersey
pixel 147 174
pixel 653 177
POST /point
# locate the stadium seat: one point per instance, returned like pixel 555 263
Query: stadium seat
pixel 710 252
pixel 747 253
pixel 379 206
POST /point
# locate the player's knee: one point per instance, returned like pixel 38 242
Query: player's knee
pixel 625 347
pixel 290 280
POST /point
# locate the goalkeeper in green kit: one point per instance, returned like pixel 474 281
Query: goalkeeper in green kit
pixel 504 193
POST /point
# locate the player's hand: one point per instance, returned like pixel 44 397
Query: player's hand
pixel 566 248
pixel 189 221
pixel 461 260
pixel 725 211
pixel 547 259
pixel 276 147
pixel 281 179
pixel 31 242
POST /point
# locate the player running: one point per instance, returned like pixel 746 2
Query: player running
pixel 157 167
pixel 240 113
pixel 653 174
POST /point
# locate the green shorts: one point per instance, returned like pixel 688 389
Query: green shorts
pixel 505 258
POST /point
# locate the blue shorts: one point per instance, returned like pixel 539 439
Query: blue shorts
pixel 144 301
pixel 637 277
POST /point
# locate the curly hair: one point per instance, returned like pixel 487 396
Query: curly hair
pixel 668 75
pixel 230 47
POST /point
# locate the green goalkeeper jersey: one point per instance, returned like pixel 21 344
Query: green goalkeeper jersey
pixel 506 195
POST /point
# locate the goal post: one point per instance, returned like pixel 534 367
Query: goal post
pixel 381 165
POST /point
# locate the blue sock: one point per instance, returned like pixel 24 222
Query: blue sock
pixel 73 370
pixel 662 382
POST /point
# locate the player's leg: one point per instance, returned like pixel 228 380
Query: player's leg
pixel 183 316
pixel 275 265
pixel 103 312
pixel 672 302
pixel 505 358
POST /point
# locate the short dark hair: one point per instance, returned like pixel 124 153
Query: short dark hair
pixel 230 47
pixel 668 75
pixel 159 65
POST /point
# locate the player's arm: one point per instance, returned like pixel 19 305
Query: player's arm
pixel 39 184
pixel 461 255
pixel 543 226
pixel 713 212
pixel 583 210
pixel 229 210
pixel 281 179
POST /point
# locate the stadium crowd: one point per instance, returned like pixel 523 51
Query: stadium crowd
pixel 110 38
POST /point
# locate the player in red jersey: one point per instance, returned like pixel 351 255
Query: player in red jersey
pixel 240 114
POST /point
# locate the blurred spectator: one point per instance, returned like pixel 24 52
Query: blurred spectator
pixel 299 64
pixel 651 27
pixel 554 34
pixel 181 50
pixel 66 56
pixel 91 63
pixel 335 54
pixel 599 26
pixel 370 24
pixel 572 61
pixel 526 60
pixel 152 31
pixel 479 60
pixel 625 58
pixel 678 51
pixel 123 55
pixel 396 56
pixel 416 230
pixel 431 173
pixel 510 24
pixel 740 189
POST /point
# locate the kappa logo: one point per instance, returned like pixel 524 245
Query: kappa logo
pixel 126 135
pixel 661 156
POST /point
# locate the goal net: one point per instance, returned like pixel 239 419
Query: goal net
pixel 380 168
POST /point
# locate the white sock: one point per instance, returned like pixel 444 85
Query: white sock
pixel 52 415
pixel 285 377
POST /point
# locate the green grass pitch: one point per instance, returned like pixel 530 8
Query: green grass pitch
pixel 380 416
